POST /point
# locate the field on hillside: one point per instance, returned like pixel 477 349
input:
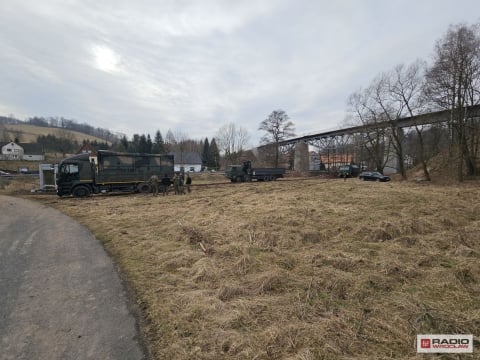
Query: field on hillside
pixel 307 269
pixel 29 133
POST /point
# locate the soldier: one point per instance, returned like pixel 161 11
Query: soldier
pixel 165 184
pixel 154 181
pixel 176 182
pixel 181 188
pixel 188 182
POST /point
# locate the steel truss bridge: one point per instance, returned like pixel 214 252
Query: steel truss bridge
pixel 334 145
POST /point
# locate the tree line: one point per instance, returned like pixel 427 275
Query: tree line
pixel 451 83
pixel 62 123
pixel 141 143
pixel 173 142
pixel 66 145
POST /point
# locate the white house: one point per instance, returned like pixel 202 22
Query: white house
pixel 12 151
pixel 22 151
pixel 188 162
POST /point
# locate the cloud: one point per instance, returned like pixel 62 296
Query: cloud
pixel 140 66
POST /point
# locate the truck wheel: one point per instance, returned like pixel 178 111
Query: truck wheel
pixel 144 188
pixel 238 179
pixel 81 191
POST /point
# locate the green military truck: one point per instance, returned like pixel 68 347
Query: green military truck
pixel 110 171
pixel 245 172
pixel 346 171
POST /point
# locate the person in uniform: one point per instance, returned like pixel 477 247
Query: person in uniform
pixel 154 182
pixel 176 182
pixel 181 187
pixel 188 182
pixel 165 184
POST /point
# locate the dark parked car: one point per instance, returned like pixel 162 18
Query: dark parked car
pixel 373 176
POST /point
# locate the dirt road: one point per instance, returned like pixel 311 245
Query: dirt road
pixel 60 297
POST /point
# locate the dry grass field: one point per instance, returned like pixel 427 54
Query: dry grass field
pixel 307 269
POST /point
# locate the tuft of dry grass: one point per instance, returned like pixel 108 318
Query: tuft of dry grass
pixel 312 269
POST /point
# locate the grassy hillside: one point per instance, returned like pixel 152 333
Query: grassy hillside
pixel 29 133
pixel 312 269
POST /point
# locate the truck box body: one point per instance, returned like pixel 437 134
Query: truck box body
pixel 127 167
pixel 80 175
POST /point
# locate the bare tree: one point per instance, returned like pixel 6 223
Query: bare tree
pixel 390 111
pixel 453 83
pixel 407 90
pixel 232 140
pixel 391 96
pixel 278 127
pixel 170 141
pixel 374 137
pixel 180 146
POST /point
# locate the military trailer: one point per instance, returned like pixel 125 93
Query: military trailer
pixel 245 172
pixel 82 175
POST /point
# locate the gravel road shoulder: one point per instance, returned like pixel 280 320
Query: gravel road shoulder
pixel 61 297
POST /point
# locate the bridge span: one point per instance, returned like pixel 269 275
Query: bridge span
pixel 335 147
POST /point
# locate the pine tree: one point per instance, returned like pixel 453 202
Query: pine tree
pixel 158 144
pixel 149 145
pixel 134 145
pixel 143 147
pixel 124 143
pixel 214 157
pixel 206 153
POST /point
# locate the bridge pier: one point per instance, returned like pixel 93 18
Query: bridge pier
pixel 301 157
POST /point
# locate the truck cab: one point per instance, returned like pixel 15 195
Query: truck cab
pixel 74 175
pixel 347 171
pixel 245 172
pixel 236 173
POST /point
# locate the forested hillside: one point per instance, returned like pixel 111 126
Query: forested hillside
pixel 60 124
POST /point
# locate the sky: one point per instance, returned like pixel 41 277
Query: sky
pixel 192 66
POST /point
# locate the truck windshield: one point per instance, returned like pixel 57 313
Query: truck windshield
pixel 69 169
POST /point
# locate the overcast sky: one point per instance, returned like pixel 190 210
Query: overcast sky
pixel 192 66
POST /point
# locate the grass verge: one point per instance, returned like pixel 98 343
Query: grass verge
pixel 313 269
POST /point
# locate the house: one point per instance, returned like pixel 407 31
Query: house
pixel 12 151
pixel 33 152
pixel 188 162
pixel 87 148
pixel 333 161
pixel 22 151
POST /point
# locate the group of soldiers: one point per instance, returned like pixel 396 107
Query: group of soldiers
pixel 180 184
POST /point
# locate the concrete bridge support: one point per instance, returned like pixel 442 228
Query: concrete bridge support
pixel 392 160
pixel 301 158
